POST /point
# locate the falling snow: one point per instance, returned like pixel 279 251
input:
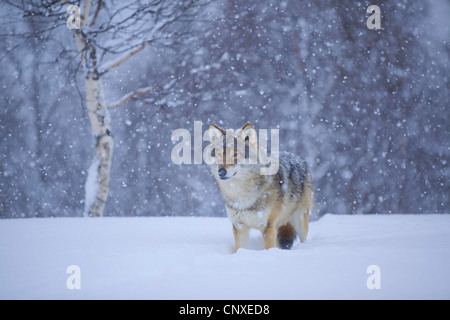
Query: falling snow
pixel 368 109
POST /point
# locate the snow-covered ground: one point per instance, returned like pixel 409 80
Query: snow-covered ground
pixel 191 258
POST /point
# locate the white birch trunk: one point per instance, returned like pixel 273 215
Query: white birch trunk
pixel 98 180
pixel 104 144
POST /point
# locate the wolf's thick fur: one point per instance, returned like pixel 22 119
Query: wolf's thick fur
pixel 278 205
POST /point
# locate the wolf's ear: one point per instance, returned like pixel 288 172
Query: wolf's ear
pixel 215 133
pixel 249 132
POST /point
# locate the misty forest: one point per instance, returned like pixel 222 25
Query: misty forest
pixel 92 90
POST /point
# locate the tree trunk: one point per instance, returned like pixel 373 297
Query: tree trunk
pixel 104 145
pixel 97 183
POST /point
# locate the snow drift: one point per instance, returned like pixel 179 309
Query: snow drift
pixel 191 258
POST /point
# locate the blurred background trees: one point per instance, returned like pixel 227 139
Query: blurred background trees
pixel 367 109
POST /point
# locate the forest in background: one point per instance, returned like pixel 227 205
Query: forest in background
pixel 368 109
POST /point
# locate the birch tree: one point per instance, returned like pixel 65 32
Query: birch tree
pixel 106 35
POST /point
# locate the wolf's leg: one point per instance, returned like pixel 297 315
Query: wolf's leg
pixel 305 226
pixel 270 236
pixel 240 233
pixel 300 222
pixel 270 231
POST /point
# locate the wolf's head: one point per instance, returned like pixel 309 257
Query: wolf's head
pixel 233 151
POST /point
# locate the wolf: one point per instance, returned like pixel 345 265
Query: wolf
pixel 278 205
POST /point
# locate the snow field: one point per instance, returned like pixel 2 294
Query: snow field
pixel 191 258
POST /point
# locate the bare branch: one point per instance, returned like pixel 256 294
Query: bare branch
pixel 123 59
pixel 131 96
pixel 99 6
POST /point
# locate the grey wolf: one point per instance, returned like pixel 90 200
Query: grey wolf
pixel 278 205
